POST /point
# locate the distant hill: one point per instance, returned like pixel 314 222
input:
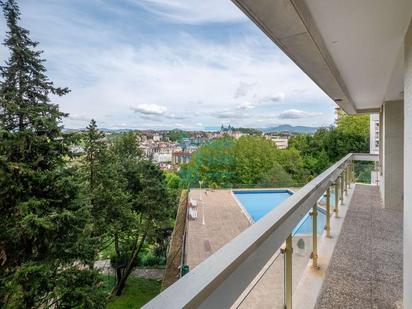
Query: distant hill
pixel 291 129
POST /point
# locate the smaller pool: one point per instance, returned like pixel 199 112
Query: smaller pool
pixel 305 225
pixel 322 200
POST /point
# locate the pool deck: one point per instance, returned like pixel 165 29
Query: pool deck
pixel 224 220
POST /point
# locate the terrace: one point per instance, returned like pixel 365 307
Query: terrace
pixel 360 54
pixel 257 267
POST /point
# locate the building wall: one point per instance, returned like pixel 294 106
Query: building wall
pixel 374 133
pixel 407 215
pixel 392 182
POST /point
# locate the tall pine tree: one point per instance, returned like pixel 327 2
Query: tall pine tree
pixel 46 253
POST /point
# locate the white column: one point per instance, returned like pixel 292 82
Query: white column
pixel 392 141
pixel 407 226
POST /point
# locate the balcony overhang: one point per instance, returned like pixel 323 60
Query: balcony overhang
pixel 353 50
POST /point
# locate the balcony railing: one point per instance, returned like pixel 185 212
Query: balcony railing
pixel 221 279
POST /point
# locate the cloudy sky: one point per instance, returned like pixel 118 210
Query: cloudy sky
pixel 186 64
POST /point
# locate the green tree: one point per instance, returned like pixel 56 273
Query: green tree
pixel 277 176
pixel 214 163
pixel 152 209
pixel 47 249
pixel 96 151
pixel 254 156
pixel 177 135
pixel 328 145
pixel 354 124
pixel 131 203
pixel 227 162
pixel 293 163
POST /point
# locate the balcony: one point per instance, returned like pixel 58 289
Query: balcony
pixel 258 268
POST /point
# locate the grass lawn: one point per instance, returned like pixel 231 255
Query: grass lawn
pixel 136 293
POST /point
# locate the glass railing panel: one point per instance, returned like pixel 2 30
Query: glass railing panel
pixel 365 172
pixel 303 242
pixel 267 289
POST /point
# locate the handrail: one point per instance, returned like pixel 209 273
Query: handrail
pixel 219 280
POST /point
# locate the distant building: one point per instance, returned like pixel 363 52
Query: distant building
pixel 159 157
pixel 157 137
pixel 77 149
pixel 339 114
pixel 236 134
pixel 230 131
pixel 227 130
pixel 374 133
pixel 181 157
pixel 280 141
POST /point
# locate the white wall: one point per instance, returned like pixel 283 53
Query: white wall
pixel 392 151
pixel 407 226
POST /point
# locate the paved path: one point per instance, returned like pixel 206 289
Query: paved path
pixel 146 273
pixel 224 221
pixel 366 266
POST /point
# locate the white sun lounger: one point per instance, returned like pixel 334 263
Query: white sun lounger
pixel 192 213
pixel 193 202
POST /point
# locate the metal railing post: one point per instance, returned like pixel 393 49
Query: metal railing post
pixel 327 227
pixel 341 188
pixel 314 254
pixel 348 173
pixel 345 178
pixel 288 251
pixel 353 172
pixel 336 209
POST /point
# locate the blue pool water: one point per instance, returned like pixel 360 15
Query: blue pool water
pixel 322 200
pixel 259 202
pixel 305 225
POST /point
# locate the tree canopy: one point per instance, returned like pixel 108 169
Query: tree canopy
pixel 227 162
pixel 46 242
pixel 254 160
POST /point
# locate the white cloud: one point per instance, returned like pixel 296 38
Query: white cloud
pixel 150 109
pixel 247 105
pixel 189 78
pixel 242 90
pixel 228 114
pixel 194 11
pixel 297 114
pixel 77 117
pixel 275 98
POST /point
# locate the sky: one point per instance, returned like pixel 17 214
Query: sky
pixel 163 64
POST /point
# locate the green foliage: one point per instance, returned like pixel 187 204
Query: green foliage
pixel 227 162
pixel 354 124
pixel 363 171
pixel 214 162
pixel 46 234
pixel 131 203
pixel 177 135
pixel 137 292
pixel 277 175
pixel 254 157
pixel 328 145
pixel 253 160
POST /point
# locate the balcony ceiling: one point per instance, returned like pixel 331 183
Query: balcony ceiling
pixel 352 49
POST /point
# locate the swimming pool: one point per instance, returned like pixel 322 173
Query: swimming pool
pixel 257 203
